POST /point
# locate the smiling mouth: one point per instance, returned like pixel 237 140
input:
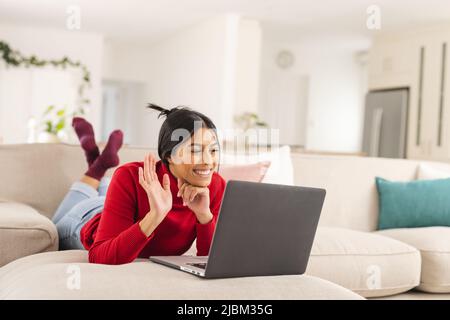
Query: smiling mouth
pixel 202 172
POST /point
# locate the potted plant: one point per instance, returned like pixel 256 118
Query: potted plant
pixel 53 125
pixel 249 121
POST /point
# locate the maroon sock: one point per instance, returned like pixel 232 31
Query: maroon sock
pixel 109 157
pixel 85 134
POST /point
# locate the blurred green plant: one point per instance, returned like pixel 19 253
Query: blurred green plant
pixel 55 120
pixel 249 120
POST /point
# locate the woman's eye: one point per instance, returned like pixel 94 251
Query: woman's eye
pixel 200 150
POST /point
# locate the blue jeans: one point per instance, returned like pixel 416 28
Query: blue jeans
pixel 80 204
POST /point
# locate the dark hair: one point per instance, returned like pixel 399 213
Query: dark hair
pixel 177 118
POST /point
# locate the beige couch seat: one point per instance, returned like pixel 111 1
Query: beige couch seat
pixel 52 275
pixel 369 264
pixel 434 246
pixel 23 231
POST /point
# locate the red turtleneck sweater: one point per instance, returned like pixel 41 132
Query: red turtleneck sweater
pixel 114 236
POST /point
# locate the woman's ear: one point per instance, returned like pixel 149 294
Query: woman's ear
pixel 176 156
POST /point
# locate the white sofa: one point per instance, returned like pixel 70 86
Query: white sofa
pixel 349 258
pixel 370 262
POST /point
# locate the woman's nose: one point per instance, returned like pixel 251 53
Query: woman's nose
pixel 207 159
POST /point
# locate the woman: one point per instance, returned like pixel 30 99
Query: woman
pixel 150 207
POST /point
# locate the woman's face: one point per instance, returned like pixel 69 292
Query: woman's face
pixel 197 158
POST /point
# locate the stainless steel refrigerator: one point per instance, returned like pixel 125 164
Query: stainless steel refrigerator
pixel 385 123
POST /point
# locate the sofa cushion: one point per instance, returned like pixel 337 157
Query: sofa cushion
pixel 431 172
pixel 434 246
pixel 23 231
pixel 412 204
pixel 253 172
pixel 68 275
pixel 366 263
pixel 280 170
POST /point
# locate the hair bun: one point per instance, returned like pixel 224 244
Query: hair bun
pixel 162 111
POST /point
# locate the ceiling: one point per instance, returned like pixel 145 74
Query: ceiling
pixel 149 20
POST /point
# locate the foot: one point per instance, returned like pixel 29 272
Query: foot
pixel 85 134
pixel 109 158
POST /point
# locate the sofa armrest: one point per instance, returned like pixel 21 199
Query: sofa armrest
pixel 24 231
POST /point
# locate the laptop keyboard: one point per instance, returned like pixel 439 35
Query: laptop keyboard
pixel 198 265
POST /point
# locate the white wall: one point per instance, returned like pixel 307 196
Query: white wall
pixel 49 44
pixel 130 64
pixel 185 69
pixel 248 66
pixel 212 67
pixel 197 67
pixel 221 67
pixel 331 87
pixel 120 101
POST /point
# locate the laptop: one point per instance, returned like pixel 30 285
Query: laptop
pixel 262 230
